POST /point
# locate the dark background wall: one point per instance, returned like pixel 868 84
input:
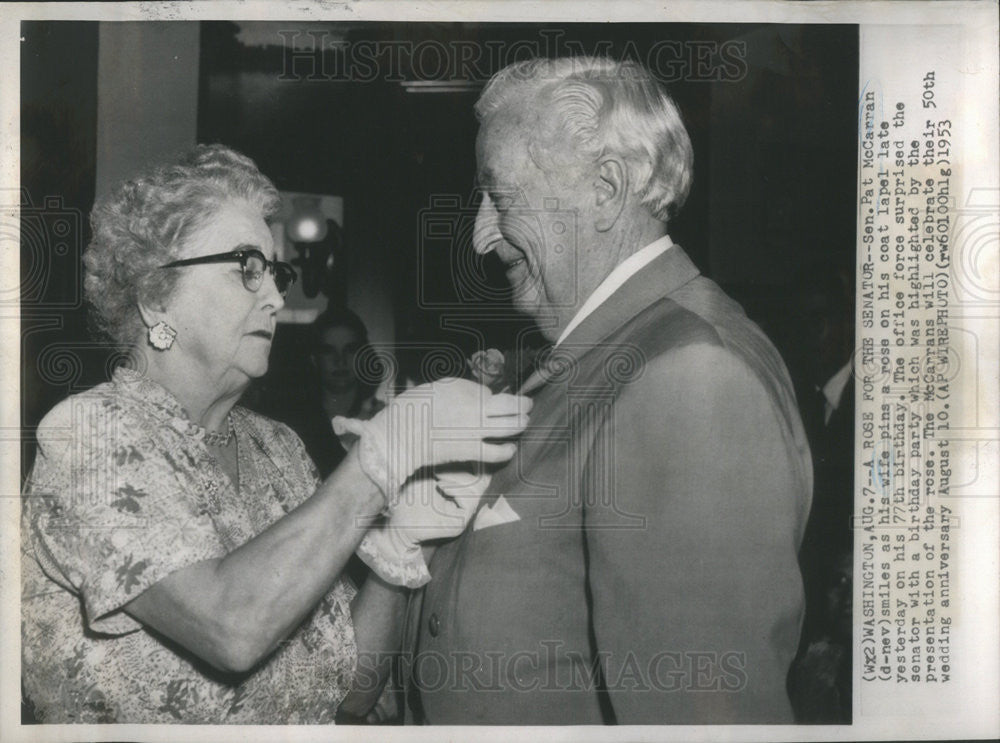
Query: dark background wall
pixel 58 166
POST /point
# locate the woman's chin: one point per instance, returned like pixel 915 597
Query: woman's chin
pixel 258 371
pixel 252 369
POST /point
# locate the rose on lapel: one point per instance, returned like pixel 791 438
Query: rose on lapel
pixel 487 368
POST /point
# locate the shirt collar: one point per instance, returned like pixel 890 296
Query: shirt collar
pixel 833 390
pixel 614 280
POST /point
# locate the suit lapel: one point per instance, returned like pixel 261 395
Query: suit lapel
pixel 663 275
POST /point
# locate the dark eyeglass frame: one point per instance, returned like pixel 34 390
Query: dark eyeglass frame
pixel 283 273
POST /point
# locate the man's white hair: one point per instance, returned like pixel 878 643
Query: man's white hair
pixel 607 107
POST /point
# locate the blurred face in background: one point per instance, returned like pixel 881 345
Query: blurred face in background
pixel 335 358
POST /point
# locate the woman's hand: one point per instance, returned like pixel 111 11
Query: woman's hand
pixel 452 420
pixel 438 507
pixel 429 509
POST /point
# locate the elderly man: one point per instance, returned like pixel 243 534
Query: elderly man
pixel 636 562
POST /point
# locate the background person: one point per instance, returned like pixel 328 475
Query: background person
pixel 825 371
pixel 821 679
pixel 336 375
pixel 336 338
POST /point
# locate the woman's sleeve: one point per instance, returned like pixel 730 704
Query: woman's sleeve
pixel 107 513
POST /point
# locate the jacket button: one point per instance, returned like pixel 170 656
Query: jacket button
pixel 434 625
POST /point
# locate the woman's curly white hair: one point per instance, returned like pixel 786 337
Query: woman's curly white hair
pixel 144 223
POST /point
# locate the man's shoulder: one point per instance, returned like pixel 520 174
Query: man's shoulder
pixel 699 328
pixel 675 321
pixel 699 313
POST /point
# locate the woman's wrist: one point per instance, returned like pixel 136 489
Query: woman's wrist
pixel 365 497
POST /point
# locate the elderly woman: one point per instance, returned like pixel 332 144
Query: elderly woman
pixel 182 559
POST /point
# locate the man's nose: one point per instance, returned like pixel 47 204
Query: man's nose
pixel 486 233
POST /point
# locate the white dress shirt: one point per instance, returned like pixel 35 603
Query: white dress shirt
pixel 613 281
pixel 833 390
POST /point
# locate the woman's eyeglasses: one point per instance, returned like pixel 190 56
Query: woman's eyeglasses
pixel 253 264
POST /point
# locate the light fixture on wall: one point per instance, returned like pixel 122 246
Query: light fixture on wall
pixel 442 86
pixel 307 223
pixel 316 261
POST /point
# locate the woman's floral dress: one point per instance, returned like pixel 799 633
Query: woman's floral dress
pixel 122 494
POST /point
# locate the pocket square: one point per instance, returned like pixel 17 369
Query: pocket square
pixel 499 513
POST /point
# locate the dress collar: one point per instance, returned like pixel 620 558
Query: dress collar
pixel 158 400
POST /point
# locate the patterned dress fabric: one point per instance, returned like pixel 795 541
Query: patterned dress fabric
pixel 123 493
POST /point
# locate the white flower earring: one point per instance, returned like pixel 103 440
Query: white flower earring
pixel 161 336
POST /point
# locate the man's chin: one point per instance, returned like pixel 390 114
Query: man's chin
pixel 529 307
pixel 527 297
pixel 547 321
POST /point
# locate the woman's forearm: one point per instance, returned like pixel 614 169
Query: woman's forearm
pixel 378 612
pixel 235 610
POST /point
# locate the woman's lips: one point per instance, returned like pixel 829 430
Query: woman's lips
pixel 266 334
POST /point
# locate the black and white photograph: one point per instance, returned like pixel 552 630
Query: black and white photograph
pixel 490 370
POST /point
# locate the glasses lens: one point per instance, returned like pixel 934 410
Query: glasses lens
pixel 253 270
pixel 284 277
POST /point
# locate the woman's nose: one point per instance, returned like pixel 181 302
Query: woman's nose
pixel 268 294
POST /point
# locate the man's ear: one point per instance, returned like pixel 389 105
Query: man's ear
pixel 611 188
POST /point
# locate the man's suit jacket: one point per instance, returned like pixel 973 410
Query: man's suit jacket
pixel 650 576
